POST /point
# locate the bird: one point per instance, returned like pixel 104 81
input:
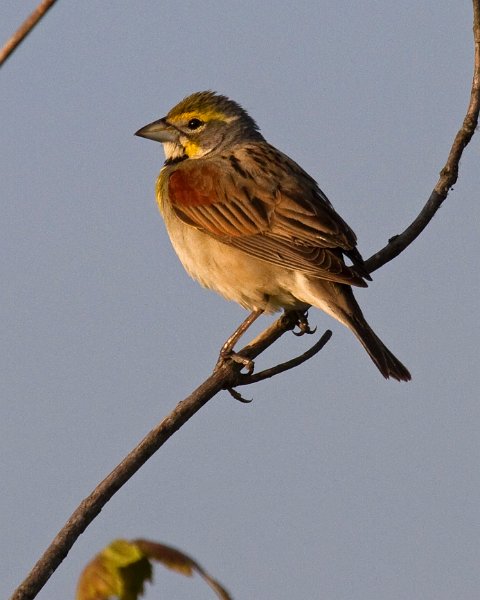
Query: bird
pixel 249 223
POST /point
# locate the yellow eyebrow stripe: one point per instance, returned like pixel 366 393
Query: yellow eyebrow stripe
pixel 205 115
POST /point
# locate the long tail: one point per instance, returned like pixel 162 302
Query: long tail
pixel 386 362
pixel 338 300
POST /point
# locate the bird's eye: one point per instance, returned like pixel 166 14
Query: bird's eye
pixel 194 124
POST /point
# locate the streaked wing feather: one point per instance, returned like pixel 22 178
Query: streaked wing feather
pixel 312 221
pixel 294 228
pixel 317 262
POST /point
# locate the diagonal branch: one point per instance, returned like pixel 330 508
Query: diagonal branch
pixel 24 29
pixel 449 173
pixel 226 375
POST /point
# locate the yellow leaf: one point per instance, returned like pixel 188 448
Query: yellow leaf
pixel 119 571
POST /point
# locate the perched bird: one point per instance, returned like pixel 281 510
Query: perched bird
pixel 251 224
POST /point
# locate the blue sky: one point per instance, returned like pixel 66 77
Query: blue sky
pixel 333 483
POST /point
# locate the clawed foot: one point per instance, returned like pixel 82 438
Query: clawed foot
pixel 228 354
pixel 303 324
pixel 238 396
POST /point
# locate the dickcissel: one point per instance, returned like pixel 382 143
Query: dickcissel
pixel 251 224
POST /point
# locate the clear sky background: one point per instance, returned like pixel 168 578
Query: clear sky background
pixel 333 483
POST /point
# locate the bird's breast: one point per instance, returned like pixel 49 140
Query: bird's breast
pixel 232 273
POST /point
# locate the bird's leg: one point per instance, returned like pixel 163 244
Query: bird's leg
pixel 303 324
pixel 239 331
pixel 227 349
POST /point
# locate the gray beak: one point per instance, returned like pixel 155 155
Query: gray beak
pixel 159 131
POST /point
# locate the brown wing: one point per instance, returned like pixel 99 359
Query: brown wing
pixel 278 215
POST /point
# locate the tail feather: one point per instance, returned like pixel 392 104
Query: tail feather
pixel 338 300
pixel 386 362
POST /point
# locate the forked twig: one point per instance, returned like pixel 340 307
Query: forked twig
pixel 247 379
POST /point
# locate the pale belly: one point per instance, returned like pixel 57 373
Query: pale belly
pixel 237 276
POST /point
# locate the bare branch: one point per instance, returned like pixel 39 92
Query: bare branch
pixel 286 366
pixel 449 173
pixel 24 29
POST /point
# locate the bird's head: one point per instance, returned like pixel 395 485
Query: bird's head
pixel 203 123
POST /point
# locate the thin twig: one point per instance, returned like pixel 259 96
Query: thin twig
pixel 449 173
pixel 24 29
pixel 286 366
